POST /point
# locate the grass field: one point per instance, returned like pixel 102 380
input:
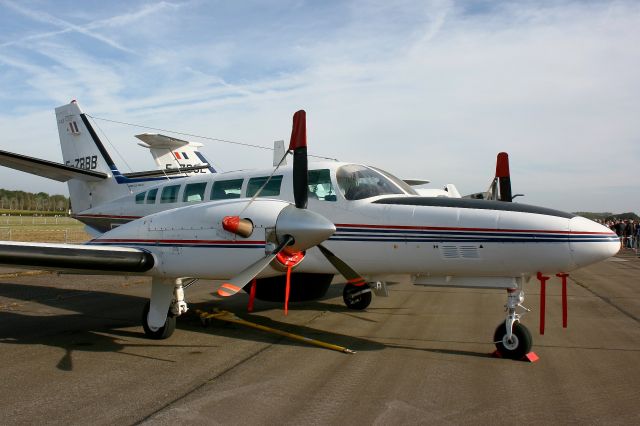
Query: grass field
pixel 42 229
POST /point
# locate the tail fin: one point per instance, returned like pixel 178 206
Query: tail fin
pixel 170 153
pixel 82 149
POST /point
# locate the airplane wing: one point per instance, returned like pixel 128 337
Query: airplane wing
pixel 76 258
pixel 48 169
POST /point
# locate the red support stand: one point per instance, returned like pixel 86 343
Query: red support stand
pixel 543 292
pixel 564 298
pixel 252 295
pixel 287 290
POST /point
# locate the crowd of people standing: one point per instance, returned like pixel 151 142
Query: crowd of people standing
pixel 628 231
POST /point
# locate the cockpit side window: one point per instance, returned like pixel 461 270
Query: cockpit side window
pixel 357 182
pixel 320 187
pixel 402 184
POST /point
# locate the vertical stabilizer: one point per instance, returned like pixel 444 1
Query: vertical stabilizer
pixel 82 149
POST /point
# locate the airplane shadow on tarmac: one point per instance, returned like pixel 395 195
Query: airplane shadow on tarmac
pixel 98 319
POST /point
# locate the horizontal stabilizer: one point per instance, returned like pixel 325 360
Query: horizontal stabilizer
pixel 61 257
pixel 416 182
pixel 48 169
pixel 172 153
pixel 159 141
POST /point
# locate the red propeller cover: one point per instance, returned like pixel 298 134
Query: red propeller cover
pixel 299 131
pixel 502 165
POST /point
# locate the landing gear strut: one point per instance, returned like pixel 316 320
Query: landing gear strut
pixel 156 333
pixel 512 339
pixel 356 297
pixel 166 304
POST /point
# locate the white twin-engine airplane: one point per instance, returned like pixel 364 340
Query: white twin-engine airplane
pixel 285 234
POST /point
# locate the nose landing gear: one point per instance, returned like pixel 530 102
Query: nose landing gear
pixel 512 339
pixel 517 345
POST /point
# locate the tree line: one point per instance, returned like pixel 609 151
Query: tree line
pixel 28 201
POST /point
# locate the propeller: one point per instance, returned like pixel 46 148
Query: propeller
pixel 503 176
pixel 298 145
pixel 345 270
pixel 231 287
pixel 297 229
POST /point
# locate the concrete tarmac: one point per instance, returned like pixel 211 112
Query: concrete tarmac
pixel 72 352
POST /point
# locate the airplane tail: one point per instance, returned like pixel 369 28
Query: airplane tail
pixel 170 153
pixel 82 149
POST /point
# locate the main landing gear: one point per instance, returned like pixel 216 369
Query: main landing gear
pixel 512 339
pixel 357 297
pixel 166 304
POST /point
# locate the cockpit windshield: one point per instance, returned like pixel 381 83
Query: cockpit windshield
pixel 358 182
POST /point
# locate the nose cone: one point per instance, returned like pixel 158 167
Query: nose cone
pixel 306 227
pixel 591 242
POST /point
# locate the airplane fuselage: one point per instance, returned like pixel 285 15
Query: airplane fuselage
pixel 395 232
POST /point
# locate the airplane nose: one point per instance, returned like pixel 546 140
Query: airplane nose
pixel 591 242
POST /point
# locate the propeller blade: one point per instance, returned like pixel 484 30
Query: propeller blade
pixel 503 176
pixel 234 285
pixel 345 270
pixel 298 145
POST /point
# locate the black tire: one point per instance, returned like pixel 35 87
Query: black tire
pixel 520 344
pixel 357 302
pixel 163 332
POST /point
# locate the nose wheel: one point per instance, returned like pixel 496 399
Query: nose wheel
pixel 515 346
pixel 357 297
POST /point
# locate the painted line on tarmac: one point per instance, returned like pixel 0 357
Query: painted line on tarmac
pixel 24 274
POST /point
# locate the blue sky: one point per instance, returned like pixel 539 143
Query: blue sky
pixel 424 89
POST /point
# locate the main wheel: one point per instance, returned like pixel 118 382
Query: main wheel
pixel 163 332
pixel 356 297
pixel 518 346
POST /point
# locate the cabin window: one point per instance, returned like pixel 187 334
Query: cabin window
pixel 320 187
pixel 226 189
pixel 140 198
pixel 151 196
pixel 169 194
pixel 271 189
pixel 194 192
